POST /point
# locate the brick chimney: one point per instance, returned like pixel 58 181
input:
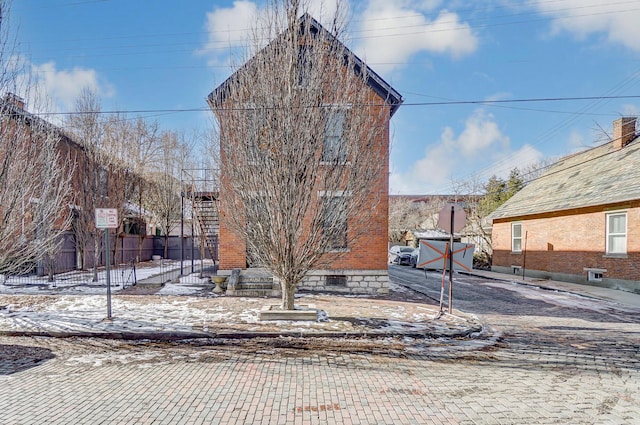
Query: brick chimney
pixel 15 100
pixel 624 131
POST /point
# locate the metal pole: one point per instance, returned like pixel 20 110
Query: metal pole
pixel 192 242
pixel 451 263
pixel 106 256
pixel 181 230
pixel 444 273
pixel 524 254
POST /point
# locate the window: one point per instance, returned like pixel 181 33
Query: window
pixel 594 276
pixel 334 225
pixel 334 147
pixel 516 237
pixel 102 182
pixel 617 233
pixel 336 280
pixel 252 134
pixel 304 66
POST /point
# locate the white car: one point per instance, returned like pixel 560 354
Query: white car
pixel 400 254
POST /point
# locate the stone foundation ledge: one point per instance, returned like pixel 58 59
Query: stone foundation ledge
pixel 357 281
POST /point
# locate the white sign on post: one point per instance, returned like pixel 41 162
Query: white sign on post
pixel 106 218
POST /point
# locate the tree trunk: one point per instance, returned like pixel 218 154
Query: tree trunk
pixel 96 256
pixel 166 245
pixel 288 295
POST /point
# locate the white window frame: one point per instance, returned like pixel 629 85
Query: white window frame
pixel 610 235
pixel 595 275
pixel 514 238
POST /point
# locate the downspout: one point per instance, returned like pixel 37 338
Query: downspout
pixel 524 254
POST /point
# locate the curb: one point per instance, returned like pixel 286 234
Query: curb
pixel 532 285
pixel 182 336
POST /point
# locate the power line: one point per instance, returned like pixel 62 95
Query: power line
pixel 227 43
pixel 439 103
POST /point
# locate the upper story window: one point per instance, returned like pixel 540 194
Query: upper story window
pixel 516 237
pixel 334 226
pixel 102 182
pixel 617 233
pixel 253 134
pixel 334 148
pixel 304 66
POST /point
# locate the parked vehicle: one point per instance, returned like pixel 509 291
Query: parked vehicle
pixel 404 257
pixel 415 258
pixel 396 252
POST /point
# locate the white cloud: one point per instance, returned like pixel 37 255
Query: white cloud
pixel 47 88
pixel 391 32
pixel 480 133
pixel 507 160
pixel 231 28
pixel 619 22
pixel 480 150
pixel 64 86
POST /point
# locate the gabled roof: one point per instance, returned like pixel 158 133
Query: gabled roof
pixel 375 82
pixel 599 176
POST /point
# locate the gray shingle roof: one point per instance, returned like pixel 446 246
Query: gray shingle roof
pixel 599 176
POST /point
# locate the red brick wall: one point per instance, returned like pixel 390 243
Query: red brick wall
pixel 568 242
pixel 368 252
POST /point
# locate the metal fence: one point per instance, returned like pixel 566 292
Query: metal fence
pixel 121 275
pixel 127 250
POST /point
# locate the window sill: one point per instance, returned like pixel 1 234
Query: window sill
pixel 337 250
pixel 516 252
pixel 343 163
pixel 615 256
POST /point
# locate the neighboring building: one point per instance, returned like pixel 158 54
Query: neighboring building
pixel 361 266
pixel 579 221
pixel 72 155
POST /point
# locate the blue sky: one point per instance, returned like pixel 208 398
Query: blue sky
pixel 148 55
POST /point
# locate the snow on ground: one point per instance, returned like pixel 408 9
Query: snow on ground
pixel 189 285
pixel 81 282
pixel 558 298
pixel 184 307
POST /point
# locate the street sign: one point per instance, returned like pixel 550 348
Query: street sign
pixel 106 218
pixel 452 219
pixel 459 218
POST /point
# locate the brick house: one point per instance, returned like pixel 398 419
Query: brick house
pixel 580 221
pixel 72 156
pixel 364 267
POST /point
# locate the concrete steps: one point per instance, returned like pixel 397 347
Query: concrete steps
pixel 252 283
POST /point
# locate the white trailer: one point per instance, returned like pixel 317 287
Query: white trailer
pixel 434 253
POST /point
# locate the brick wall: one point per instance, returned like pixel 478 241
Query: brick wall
pixel 367 252
pixel 569 242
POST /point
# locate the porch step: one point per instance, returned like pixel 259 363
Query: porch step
pixel 253 283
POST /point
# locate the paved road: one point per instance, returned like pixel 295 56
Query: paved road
pixel 549 358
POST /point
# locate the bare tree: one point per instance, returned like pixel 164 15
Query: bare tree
pixel 303 149
pixel 92 181
pixel 34 177
pixel 163 197
pixel 473 195
pixel 130 147
pixel 403 217
pixel 414 213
